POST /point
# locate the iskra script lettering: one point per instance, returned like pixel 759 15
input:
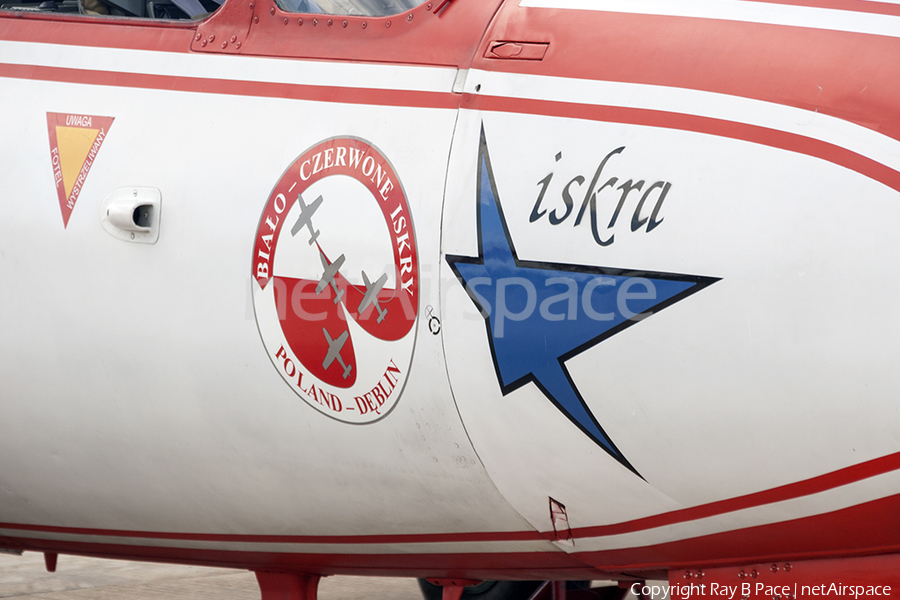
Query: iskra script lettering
pixel 601 201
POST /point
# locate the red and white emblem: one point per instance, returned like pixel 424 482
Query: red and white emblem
pixel 336 289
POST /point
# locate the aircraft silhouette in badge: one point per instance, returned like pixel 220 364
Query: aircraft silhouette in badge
pixel 305 218
pixel 331 270
pixel 371 297
pixel 334 351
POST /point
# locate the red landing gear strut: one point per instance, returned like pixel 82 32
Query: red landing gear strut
pixel 453 588
pixel 287 586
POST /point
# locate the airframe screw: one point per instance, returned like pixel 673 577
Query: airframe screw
pixel 233 39
pixel 742 574
pixel 203 43
pixel 388 24
pixel 330 22
pixel 198 36
pixel 256 18
pixel 787 567
pixel 315 22
pixel 272 11
pixel 428 7
pixel 212 38
pixel 687 575
pixel 238 45
pixel 344 23
pixel 300 22
pixel 409 17
pixel 285 20
pixel 754 573
pixel 224 45
pixel 774 568
pixel 364 24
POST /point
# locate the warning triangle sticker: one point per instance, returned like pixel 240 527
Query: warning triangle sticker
pixel 75 141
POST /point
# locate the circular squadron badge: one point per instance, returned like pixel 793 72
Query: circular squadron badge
pixel 336 289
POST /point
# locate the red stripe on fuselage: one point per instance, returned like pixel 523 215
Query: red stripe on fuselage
pixel 716 127
pixel 807 487
pixel 865 529
pixel 851 76
pixel 654 118
pixel 340 95
pixel 863 6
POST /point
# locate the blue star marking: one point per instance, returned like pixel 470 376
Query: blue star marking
pixel 539 314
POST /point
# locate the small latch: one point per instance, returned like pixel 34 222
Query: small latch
pixel 517 50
